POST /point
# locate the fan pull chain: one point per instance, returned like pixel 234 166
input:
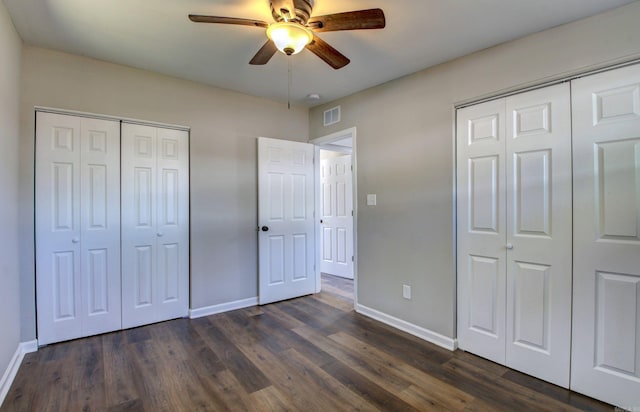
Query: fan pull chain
pixel 289 81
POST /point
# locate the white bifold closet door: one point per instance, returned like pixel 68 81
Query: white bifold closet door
pixel 155 224
pixel 514 231
pixel 606 287
pixel 77 226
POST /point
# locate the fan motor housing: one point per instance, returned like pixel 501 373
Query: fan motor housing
pixel 303 11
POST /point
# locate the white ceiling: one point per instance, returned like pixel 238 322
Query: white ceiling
pixel 157 35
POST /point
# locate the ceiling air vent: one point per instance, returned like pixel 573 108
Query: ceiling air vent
pixel 332 116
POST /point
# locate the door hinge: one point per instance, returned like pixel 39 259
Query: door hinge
pixel 352 168
pixel 352 213
pixel 353 259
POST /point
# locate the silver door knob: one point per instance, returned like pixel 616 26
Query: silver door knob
pixel 75 240
pixel 160 234
pixel 509 246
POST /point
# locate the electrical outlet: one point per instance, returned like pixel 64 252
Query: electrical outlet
pixel 406 292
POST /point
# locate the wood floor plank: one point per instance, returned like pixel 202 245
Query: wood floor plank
pixel 430 392
pixel 251 378
pixel 313 353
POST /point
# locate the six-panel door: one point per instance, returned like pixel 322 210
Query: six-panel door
pixel 514 231
pixel 336 203
pixel 606 287
pixel 77 226
pixel 286 244
pixel 155 224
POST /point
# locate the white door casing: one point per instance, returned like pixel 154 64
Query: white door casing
pixel 514 231
pixel 539 210
pixel 481 229
pixel 606 288
pixel 77 226
pixel 286 245
pixel 155 224
pixel 336 214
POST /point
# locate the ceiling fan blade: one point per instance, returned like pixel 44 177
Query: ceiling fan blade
pixel 265 53
pixel 327 53
pixel 227 20
pixel 284 8
pixel 351 20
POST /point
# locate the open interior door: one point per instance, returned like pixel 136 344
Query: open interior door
pixel 286 246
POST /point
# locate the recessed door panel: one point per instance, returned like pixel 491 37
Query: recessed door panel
pixel 531 305
pixel 483 129
pixel 483 278
pixel 300 258
pixel 97 197
pixel 530 121
pixel 98 281
pixel 63 196
pixel 327 244
pixel 170 197
pixel 63 138
pixel 143 201
pixel 617 104
pixel 169 269
pixel 341 245
pixel 64 285
pixel 170 149
pixel 532 191
pixel 276 196
pixel 483 194
pixel 299 188
pixel 143 275
pixel 327 200
pixel 276 259
pixel 618 324
pixel 617 175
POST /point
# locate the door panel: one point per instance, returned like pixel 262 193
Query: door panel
pixel 606 170
pixel 77 226
pixel 285 210
pixel 100 225
pixel 481 229
pixel 514 231
pixel 337 220
pixel 155 237
pixel 539 210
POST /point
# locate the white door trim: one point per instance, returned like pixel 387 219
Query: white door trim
pixel 322 143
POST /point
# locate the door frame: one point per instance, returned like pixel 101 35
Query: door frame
pixel 325 143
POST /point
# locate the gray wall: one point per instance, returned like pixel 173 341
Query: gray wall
pixel 224 126
pixel 405 155
pixel 10 45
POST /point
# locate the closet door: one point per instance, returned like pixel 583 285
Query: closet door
pixel 155 224
pixel 77 226
pixel 481 229
pixel 538 235
pixel 606 287
pixel 514 232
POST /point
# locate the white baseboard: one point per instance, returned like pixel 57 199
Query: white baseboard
pixel 223 307
pixel 12 369
pixel 415 330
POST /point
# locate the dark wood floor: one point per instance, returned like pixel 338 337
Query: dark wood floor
pixel 308 354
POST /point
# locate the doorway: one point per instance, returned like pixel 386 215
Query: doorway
pixel 335 188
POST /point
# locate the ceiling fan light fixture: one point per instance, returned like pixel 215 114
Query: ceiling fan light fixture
pixel 290 38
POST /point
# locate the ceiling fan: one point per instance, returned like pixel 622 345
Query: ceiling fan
pixel 294 29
